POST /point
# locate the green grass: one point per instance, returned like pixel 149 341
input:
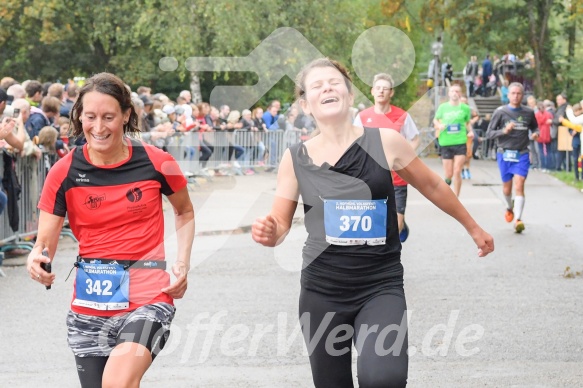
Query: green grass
pixel 568 178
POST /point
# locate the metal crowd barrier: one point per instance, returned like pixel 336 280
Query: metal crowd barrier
pixel 31 181
pixel 31 174
pixel 427 143
pixel 232 151
pixel 196 153
pixel 229 152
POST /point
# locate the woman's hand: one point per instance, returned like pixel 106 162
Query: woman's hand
pixel 35 258
pixel 6 127
pixel 483 240
pixel 177 289
pixel 264 230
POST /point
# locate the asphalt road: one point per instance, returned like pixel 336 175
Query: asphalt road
pixel 508 320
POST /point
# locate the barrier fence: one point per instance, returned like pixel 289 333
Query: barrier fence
pixel 233 152
pixel 20 214
pixel 197 153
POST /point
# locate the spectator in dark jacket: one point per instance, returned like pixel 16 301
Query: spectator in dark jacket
pixel 67 105
pixel 43 117
pixel 486 72
pixel 271 115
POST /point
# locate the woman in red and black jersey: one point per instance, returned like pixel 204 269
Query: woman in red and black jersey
pixel 111 191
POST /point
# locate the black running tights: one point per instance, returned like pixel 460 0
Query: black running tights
pixel 378 329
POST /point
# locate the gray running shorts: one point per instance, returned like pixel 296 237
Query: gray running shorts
pixel 92 336
pixel 448 152
pixel 401 198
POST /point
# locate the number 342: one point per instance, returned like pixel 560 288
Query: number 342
pixel 98 287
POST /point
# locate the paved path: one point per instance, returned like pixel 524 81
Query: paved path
pixel 508 320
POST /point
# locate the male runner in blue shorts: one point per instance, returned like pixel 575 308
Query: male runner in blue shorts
pixel 511 125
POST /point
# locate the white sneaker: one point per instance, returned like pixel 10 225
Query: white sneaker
pixel 236 164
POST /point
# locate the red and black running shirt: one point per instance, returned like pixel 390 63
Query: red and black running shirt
pixel 115 211
pixel 397 119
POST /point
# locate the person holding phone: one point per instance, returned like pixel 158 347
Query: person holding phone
pixel 8 125
pixel 111 190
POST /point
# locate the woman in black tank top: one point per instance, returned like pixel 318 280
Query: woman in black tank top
pixel 352 281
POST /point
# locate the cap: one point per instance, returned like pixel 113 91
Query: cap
pixel 168 109
pixel 146 100
pixel 179 110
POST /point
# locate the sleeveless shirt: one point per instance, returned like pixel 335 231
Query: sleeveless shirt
pixel 361 173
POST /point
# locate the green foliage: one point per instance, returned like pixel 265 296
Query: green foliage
pixel 54 40
pixel 396 14
pixel 501 26
pixel 569 179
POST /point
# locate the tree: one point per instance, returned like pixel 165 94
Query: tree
pixel 57 39
pixel 495 25
pixel 569 73
pixel 235 29
pixel 539 12
pixel 51 39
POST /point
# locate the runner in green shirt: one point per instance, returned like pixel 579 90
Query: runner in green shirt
pixel 452 128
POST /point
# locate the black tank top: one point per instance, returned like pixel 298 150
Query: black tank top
pixel 361 173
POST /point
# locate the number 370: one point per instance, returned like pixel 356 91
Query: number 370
pixel 365 223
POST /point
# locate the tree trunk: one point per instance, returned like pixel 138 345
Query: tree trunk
pixel 536 48
pixel 101 56
pixel 538 16
pixel 572 33
pixel 195 88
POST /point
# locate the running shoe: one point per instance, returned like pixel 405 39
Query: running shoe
pixel 404 233
pixel 468 175
pixel 509 215
pixel 518 226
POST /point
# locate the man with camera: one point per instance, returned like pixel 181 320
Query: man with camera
pixel 8 124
